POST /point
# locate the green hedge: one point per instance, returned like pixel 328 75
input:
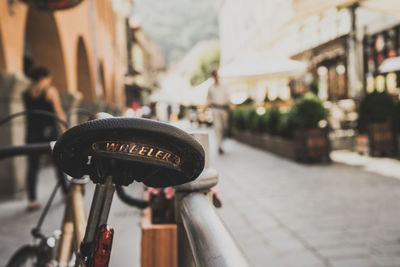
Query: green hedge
pixel 306 113
pixel 240 117
pixel 286 125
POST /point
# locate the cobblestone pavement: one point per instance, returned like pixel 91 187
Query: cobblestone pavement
pixel 284 213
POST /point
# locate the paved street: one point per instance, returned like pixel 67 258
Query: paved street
pixel 287 214
pixel 280 212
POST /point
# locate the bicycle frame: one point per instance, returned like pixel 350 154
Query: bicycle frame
pixel 79 234
pixel 73 224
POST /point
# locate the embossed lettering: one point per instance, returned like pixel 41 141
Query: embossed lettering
pixel 112 147
pixel 132 149
pixel 137 149
pixel 124 148
pixel 159 154
pixel 166 156
pixel 143 150
pixel 150 152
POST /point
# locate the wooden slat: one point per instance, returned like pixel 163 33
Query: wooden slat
pixel 158 244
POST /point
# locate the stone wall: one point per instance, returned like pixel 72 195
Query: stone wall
pixel 12 175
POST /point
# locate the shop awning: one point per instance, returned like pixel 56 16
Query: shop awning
pixel 258 65
pixel 390 65
pixel 307 8
pixel 385 6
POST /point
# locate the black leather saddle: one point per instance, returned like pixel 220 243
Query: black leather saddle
pixel 129 149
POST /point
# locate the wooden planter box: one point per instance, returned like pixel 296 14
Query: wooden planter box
pixel 382 140
pixel 158 243
pixel 308 146
pixel 362 144
pixel 312 145
pixel 398 144
pixel 274 144
pixel 278 145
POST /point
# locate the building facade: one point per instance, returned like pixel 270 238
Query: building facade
pixel 245 30
pixel 381 41
pixel 145 62
pixel 84 47
pixel 332 37
pixel 69 42
pixel 245 26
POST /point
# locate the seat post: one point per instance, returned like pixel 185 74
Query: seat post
pixel 99 211
pixel 108 197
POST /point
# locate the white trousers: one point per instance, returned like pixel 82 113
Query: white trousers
pixel 220 124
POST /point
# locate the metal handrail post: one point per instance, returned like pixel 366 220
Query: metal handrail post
pixel 211 243
pixel 203 240
pixel 185 257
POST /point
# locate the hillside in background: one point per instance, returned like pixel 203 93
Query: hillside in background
pixel 177 25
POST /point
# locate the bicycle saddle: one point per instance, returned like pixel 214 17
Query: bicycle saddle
pixel 129 149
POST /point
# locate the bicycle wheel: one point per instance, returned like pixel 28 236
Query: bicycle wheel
pixel 129 200
pixel 27 256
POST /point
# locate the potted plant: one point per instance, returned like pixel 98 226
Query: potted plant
pixel 311 138
pixel 376 113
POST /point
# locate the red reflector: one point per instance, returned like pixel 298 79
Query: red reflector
pixel 102 250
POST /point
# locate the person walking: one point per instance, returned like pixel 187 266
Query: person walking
pixel 41 95
pixel 218 101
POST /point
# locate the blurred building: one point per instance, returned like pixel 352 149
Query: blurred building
pixel 332 37
pixel 175 88
pixel 381 45
pixel 246 29
pixel 348 48
pixel 246 25
pixel 83 46
pixel 145 62
pixel 343 42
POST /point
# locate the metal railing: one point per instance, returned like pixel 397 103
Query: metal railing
pixel 203 240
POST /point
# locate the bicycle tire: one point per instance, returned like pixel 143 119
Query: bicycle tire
pixel 129 200
pixel 25 254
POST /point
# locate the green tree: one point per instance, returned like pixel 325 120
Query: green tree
pixel 208 61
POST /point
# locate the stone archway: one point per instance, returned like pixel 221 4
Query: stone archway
pixel 84 79
pixel 43 46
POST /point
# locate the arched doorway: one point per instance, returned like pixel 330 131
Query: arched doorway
pixel 43 46
pixel 85 84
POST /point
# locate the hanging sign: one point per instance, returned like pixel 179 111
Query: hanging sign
pixel 52 5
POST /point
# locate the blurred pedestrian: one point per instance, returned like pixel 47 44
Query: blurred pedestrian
pixel 218 101
pixel 41 95
pixel 169 112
